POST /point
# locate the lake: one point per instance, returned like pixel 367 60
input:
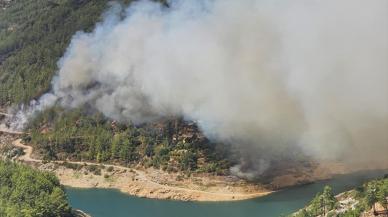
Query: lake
pixel 112 203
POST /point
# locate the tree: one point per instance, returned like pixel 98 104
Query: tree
pixel 328 199
pixel 370 196
pixel 304 213
pixel 28 192
pixel 188 161
pixel 382 194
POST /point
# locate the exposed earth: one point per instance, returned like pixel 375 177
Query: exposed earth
pixel 158 184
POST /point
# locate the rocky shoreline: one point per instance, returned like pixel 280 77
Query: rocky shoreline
pixel 143 183
pixel 158 184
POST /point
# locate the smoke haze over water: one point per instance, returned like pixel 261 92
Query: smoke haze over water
pixel 265 74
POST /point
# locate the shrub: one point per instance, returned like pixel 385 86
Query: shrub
pixel 97 172
pixel 110 169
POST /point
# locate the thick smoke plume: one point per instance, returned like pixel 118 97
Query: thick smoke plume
pixel 267 75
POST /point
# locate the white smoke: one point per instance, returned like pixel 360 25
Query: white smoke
pixel 267 73
pixel 21 115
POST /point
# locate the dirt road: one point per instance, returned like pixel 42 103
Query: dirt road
pixel 143 181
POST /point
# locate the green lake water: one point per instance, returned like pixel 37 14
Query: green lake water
pixel 112 203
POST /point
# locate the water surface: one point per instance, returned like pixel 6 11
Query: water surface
pixel 112 203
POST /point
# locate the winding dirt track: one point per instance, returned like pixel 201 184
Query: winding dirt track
pixel 141 176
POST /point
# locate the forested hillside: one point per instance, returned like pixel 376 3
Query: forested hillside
pixel 33 36
pixel 169 144
pixel 370 199
pixel 28 192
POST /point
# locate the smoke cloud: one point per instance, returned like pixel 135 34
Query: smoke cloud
pixel 266 75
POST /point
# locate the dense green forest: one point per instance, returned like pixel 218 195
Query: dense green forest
pixel 28 192
pixel 33 36
pixel 324 203
pixel 172 145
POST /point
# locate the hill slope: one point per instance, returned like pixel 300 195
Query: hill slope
pixel 28 192
pixel 33 36
pixel 370 199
